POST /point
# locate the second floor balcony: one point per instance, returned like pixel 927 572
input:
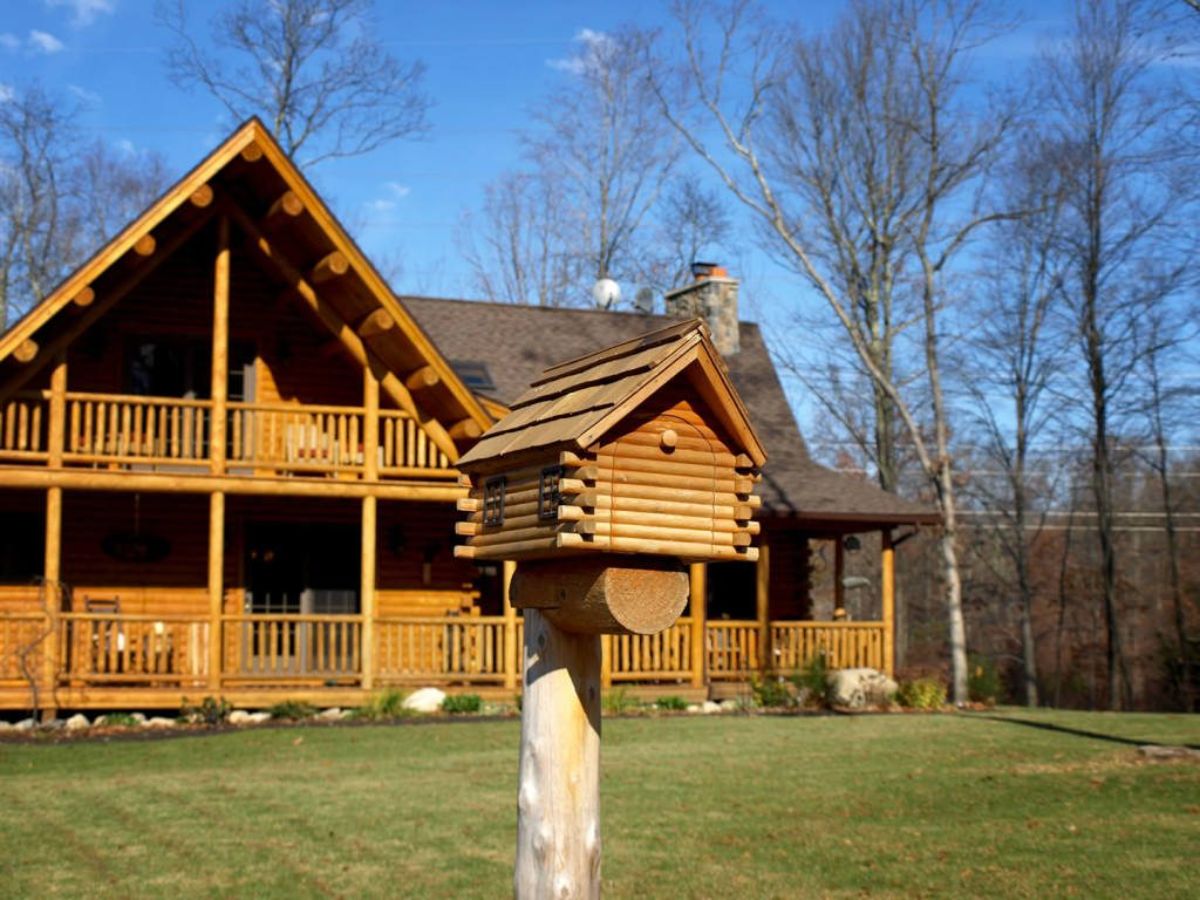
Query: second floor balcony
pixel 173 435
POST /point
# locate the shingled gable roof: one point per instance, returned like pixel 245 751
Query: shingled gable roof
pixel 518 342
pixel 288 228
pixel 575 403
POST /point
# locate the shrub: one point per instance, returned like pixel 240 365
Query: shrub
pixel 772 693
pixel 387 704
pixel 292 709
pixel 118 720
pixel 922 693
pixel 812 683
pixel 618 701
pixel 462 703
pixel 983 682
pixel 211 711
pixel 676 704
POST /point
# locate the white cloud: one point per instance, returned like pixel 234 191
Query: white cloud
pixel 84 12
pixel 9 41
pixel 89 98
pixel 126 146
pixel 7 93
pixel 398 190
pixel 594 43
pixel 44 42
pixel 381 205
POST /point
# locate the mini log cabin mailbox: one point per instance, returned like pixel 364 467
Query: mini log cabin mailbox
pixel 610 472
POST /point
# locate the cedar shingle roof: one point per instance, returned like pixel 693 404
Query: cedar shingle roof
pixel 578 401
pixel 517 343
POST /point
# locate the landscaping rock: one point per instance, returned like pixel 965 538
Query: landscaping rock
pixel 708 707
pixel 732 705
pixel 426 700
pixel 160 722
pixel 334 714
pixel 694 708
pixel 257 718
pixel 25 725
pixel 55 725
pixel 239 717
pixel 1158 751
pixel 78 722
pixel 860 688
pixel 140 718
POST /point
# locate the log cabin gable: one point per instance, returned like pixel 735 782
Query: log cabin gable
pixel 288 260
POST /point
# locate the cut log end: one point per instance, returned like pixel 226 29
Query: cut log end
pixel 422 379
pixel 375 323
pixel 85 297
pixel 145 245
pixel 332 266
pixel 252 152
pixel 26 351
pixel 465 430
pixel 202 196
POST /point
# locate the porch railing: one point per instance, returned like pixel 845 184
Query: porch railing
pixel 293 646
pixel 22 635
pixel 23 428
pixel 116 428
pixel 153 650
pixel 458 649
pixel 732 649
pixel 653 657
pixel 845 645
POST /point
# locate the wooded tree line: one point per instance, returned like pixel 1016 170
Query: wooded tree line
pixel 995 244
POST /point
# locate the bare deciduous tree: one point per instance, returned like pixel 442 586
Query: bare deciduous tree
pixel 1115 131
pixel 784 167
pixel 312 68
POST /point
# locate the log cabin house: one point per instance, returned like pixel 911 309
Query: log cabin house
pixel 227 468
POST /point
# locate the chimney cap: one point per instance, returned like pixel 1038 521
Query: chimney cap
pixel 702 270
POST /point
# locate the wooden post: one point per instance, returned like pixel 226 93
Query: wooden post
pixel 762 590
pixel 370 437
pixel 839 578
pixel 558 793
pixel 369 543
pixel 216 586
pixel 220 351
pixel 606 661
pixel 510 627
pixel 51 585
pixel 887 581
pixel 698 580
pixel 58 412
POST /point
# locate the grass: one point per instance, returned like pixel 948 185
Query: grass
pixel 693 807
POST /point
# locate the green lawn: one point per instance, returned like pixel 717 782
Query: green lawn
pixel 693 807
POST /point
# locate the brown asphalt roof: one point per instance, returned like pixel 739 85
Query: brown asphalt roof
pixel 517 343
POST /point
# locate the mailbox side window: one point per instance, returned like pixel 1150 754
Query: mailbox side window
pixel 493 500
pixel 548 492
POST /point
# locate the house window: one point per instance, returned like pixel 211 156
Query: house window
pixel 474 374
pixel 493 501
pixel 548 492
pixel 21 550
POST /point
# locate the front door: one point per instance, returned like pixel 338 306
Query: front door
pixel 296 573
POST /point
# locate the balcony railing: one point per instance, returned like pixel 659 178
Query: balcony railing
pixel 173 434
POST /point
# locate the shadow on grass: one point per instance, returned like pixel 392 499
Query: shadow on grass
pixel 1077 732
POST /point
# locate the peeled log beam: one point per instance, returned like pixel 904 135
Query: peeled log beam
pixel 84 297
pixel 288 206
pixel 26 351
pixel 332 266
pixel 375 323
pixel 145 245
pixel 465 430
pixel 202 196
pixel 422 379
pixel 252 152
pixel 604 595
pixel 558 787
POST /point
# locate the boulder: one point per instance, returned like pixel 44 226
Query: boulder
pixel 78 722
pixel 860 688
pixel 140 718
pixel 708 707
pixel 55 725
pixel 257 718
pixel 239 717
pixel 426 700
pixel 25 725
pixel 694 708
pixel 160 722
pixel 334 714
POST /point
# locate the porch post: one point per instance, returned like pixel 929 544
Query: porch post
pixel 698 578
pixel 606 658
pixel 58 412
pixel 510 626
pixel 367 652
pixel 216 586
pixel 220 351
pixel 839 578
pixel 51 587
pixel 762 584
pixel 887 581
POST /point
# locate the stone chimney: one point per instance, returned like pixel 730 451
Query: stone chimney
pixel 713 296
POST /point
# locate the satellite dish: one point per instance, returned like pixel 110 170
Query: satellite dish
pixel 644 301
pixel 606 293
